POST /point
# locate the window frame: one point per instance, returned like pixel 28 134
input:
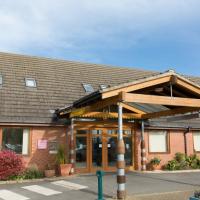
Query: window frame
pixel 87 85
pixel 1 80
pixel 29 139
pixel 167 142
pixel 103 86
pixel 193 141
pixel 30 79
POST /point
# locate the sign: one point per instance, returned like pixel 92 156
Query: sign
pixel 53 147
pixel 42 144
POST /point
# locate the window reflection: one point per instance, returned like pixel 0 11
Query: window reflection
pixel 81 152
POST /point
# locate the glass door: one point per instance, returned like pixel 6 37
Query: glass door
pixel 82 150
pixel 96 149
pixel 111 149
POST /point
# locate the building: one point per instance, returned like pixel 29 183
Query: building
pixel 47 102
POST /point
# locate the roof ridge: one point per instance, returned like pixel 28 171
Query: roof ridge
pixel 76 62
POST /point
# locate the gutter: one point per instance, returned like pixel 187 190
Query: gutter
pixel 188 129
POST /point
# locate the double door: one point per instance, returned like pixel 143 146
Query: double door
pixel 97 149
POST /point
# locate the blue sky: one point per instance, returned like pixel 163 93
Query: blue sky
pixel 149 34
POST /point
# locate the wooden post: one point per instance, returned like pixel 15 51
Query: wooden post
pixel 72 148
pixel 143 149
pixel 121 178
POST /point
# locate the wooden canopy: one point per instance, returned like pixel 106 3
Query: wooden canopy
pixel 175 93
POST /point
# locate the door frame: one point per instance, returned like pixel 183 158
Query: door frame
pixel 89 168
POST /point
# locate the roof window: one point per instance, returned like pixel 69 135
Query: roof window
pixel 1 80
pixel 30 82
pixel 102 86
pixel 88 88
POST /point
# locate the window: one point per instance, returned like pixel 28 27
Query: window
pixel 196 138
pixel 30 82
pixel 158 141
pixel 1 80
pixel 88 88
pixel 16 139
pixel 102 87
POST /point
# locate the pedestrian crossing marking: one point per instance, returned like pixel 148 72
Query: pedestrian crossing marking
pixel 8 195
pixel 41 190
pixel 69 185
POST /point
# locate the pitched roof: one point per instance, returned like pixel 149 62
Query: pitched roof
pixel 59 84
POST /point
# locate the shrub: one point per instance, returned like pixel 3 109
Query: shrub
pixel 155 161
pixel 171 165
pixel 180 157
pixel 32 172
pixel 182 162
pixel 60 156
pixel 11 164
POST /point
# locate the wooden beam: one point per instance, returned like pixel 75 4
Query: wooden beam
pixel 94 107
pixel 188 86
pixel 133 109
pixel 160 100
pixel 171 112
pixel 137 86
pixel 105 115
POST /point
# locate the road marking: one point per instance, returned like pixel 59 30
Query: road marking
pixel 8 195
pixel 69 185
pixel 41 190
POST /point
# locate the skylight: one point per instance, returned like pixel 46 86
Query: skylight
pixel 102 87
pixel 88 88
pixel 30 82
pixel 1 80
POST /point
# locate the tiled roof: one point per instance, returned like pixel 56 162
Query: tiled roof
pixel 59 84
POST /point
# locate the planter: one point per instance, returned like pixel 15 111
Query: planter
pixel 155 167
pixel 64 169
pixel 49 173
pixel 194 198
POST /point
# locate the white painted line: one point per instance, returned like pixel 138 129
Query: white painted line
pixel 41 190
pixel 69 185
pixel 8 195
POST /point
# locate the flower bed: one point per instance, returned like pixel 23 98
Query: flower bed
pixel 183 162
pixel 12 167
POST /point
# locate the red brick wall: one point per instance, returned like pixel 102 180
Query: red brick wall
pixel 41 157
pixel 37 157
pixel 176 144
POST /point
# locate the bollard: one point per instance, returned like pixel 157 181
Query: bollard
pixel 100 175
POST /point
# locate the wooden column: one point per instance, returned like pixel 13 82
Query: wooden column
pixel 143 149
pixel 72 148
pixel 121 178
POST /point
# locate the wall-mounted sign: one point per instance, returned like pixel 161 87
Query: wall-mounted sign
pixel 42 144
pixel 53 147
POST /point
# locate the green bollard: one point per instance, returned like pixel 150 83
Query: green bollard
pixel 100 175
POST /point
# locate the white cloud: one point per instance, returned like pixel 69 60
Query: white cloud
pixel 81 25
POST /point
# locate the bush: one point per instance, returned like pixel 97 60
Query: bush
pixel 182 162
pixel 11 164
pixel 30 173
pixel 155 161
pixel 171 165
pixel 180 157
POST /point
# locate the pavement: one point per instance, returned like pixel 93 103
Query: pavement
pixel 140 186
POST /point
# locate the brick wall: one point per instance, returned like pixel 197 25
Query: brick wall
pixel 41 157
pixel 176 144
